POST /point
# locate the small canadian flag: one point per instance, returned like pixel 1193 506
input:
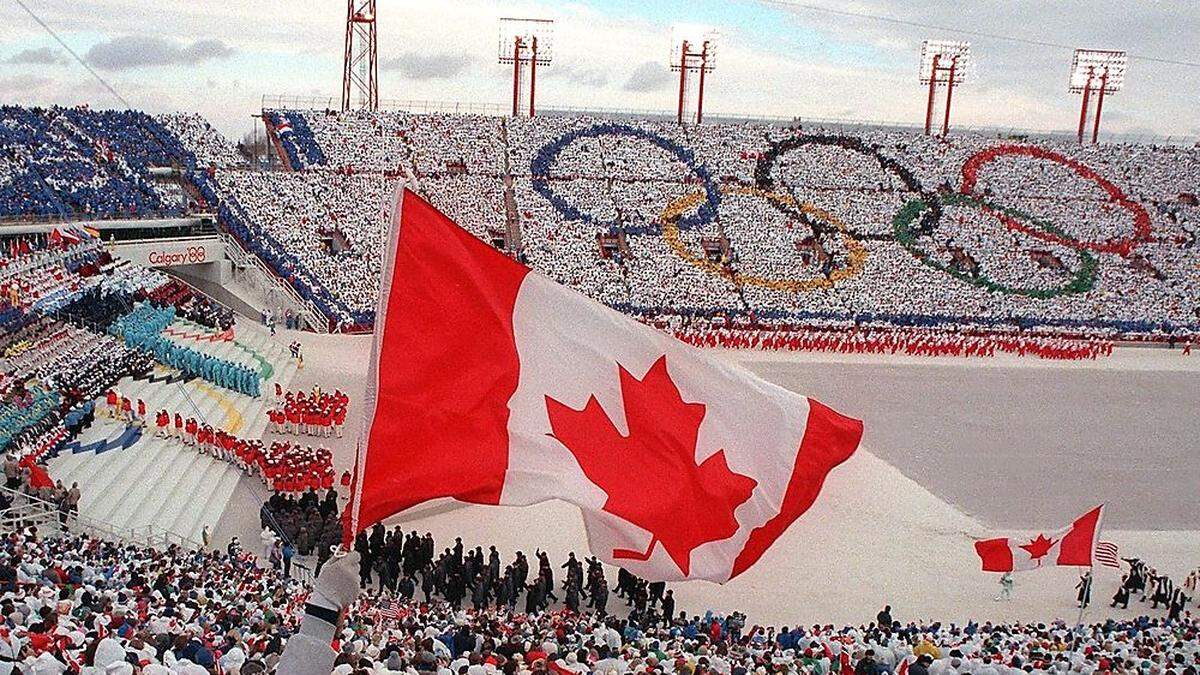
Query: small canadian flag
pixel 1071 546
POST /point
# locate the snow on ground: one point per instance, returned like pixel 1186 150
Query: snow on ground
pixel 955 450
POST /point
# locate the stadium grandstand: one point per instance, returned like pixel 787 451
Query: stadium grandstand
pixel 725 227
pixel 454 389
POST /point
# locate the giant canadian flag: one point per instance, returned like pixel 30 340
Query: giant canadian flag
pixel 492 384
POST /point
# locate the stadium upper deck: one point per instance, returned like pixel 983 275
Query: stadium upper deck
pixel 727 224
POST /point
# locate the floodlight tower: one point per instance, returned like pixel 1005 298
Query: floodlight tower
pixel 1096 70
pixel 360 70
pixel 526 44
pixel 693 53
pixel 943 63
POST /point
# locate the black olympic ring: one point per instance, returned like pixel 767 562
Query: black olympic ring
pixel 762 179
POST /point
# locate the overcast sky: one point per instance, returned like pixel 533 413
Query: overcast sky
pixel 219 57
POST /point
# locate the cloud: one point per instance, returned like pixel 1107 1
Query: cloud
pixel 137 51
pixel 42 56
pixel 24 82
pixel 427 66
pixel 782 58
pixel 584 76
pixel 648 76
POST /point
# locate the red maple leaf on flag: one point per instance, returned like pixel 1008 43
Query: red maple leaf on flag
pixel 1038 547
pixel 651 476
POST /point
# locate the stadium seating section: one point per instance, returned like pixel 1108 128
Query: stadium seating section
pixel 723 225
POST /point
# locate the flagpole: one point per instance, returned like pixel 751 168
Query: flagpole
pixel 372 389
pixel 1091 578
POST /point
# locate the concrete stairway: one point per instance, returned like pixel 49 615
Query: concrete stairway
pixel 162 482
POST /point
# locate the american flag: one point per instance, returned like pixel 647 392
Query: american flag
pixel 1107 554
pixel 390 609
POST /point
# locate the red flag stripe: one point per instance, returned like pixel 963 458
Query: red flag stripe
pixel 829 439
pixel 1077 546
pixel 996 554
pixel 449 409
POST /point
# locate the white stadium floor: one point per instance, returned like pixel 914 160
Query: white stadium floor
pixel 955 450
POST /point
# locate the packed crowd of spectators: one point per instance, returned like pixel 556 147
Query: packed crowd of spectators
pixel 735 220
pixel 80 604
pixel 209 146
pixel 786 224
pixel 83 163
pixel 328 227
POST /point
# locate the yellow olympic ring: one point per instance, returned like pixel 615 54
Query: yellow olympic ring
pixel 233 418
pixel 856 253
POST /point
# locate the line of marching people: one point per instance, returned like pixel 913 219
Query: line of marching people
pixel 314 414
pixel 142 328
pixel 921 343
pixel 124 409
pixel 1159 588
pixel 282 466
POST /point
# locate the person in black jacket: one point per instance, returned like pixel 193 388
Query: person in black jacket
pixel 1121 597
pixel 866 665
pixel 921 665
pixel 363 548
pixel 668 607
pixel 884 618
pixel 8 575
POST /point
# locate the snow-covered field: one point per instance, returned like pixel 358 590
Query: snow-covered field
pixel 955 450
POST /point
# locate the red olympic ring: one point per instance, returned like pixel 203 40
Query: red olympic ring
pixel 1121 246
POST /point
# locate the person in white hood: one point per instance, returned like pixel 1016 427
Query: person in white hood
pixel 308 652
pixel 267 540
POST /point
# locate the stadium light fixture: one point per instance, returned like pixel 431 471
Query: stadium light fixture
pixel 944 63
pixel 526 44
pixel 1096 70
pixel 693 54
pixel 360 67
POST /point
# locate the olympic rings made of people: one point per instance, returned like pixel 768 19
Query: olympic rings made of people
pixel 1122 246
pixel 545 157
pixel 766 163
pixel 1081 282
pixel 676 208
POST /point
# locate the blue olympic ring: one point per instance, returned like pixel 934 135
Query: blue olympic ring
pixel 539 169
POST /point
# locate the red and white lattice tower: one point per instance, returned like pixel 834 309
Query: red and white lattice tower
pixel 1100 72
pixel 944 63
pixel 526 44
pixel 693 54
pixel 360 71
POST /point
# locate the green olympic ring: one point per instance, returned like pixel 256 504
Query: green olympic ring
pixel 1082 281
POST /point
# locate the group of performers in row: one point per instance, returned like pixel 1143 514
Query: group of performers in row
pixel 282 466
pixel 314 414
pixel 916 343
